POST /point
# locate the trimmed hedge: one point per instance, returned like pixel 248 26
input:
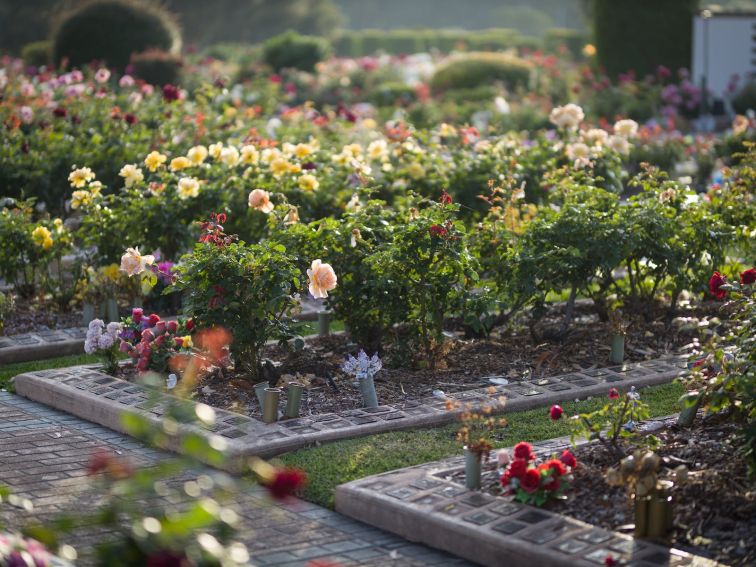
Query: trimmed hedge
pixel 402 41
pixel 293 51
pixel 37 53
pixel 157 67
pixel 573 40
pixel 113 30
pixel 478 69
pixel 640 35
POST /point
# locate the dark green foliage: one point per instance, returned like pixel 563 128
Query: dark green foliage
pixel 573 40
pixel 157 67
pixel 745 99
pixel 293 51
pixel 37 53
pixel 476 69
pixel 640 35
pixel 113 30
pixel 394 94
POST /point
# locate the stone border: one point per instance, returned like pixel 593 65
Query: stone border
pixel 422 505
pixel 41 344
pixel 87 393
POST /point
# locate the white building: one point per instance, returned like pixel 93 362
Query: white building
pixel 724 45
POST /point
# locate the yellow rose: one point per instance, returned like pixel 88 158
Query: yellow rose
pixel 215 150
pixel 179 163
pixel 279 166
pixel 250 155
pixel 42 237
pixel 188 187
pixel 303 150
pixel 197 154
pixel 154 160
pixel 230 156
pixel 308 182
pixel 131 175
pixel 80 199
pixel 78 178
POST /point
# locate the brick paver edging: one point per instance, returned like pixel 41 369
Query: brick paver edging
pixel 92 395
pixel 424 505
pixel 41 345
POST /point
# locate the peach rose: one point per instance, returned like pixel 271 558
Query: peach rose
pixel 133 263
pixel 260 199
pixel 322 279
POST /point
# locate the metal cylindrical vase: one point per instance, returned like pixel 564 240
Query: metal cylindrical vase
pixel 260 393
pixel 659 514
pixel 270 407
pixel 618 349
pixel 369 397
pixel 324 323
pixel 87 313
pixel 641 516
pixel 473 467
pixel 293 399
pixel 111 310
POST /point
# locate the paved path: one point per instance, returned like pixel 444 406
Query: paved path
pixel 44 452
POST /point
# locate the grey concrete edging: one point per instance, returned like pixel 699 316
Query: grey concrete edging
pixel 423 504
pixel 41 345
pixel 87 393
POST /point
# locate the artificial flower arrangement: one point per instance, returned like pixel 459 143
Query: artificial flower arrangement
pixel 531 482
pixel 103 340
pixel 18 551
pixel 151 342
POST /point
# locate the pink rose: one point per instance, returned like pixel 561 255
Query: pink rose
pixel 160 327
pixel 143 364
pixel 148 335
pixel 136 314
pixel 172 326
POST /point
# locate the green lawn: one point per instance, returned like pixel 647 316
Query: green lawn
pixel 335 463
pixel 8 371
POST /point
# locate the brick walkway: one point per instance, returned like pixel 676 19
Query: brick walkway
pixel 43 453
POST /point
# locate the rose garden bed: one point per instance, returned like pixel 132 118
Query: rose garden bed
pixel 429 503
pixel 714 508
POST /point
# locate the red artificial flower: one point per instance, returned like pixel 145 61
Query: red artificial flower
pixel 748 276
pixel 286 482
pixel 568 458
pixel 531 480
pixel 524 451
pixel 154 319
pixel 446 199
pixel 518 468
pixel 103 461
pixel 179 342
pixel 716 282
pixel 171 326
pixel 136 314
pixel 614 394
pixel 610 561
pixel 555 413
pixel 506 478
pixel 148 335
pixel 557 467
pixel 189 324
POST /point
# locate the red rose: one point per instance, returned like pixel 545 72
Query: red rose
pixel 130 118
pixel 518 468
pixel 568 458
pixel 506 478
pixel 614 394
pixel 716 281
pixel 136 314
pixel 160 327
pixel 524 451
pixel 148 335
pixel 748 277
pixel 153 320
pixel 531 481
pixel 557 467
pixel 190 325
pixel 286 482
pixel 172 326
pixel 143 364
pixel 170 93
pixel 179 342
pixel 610 561
pixel 438 230
pixel 445 198
pixel 556 412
